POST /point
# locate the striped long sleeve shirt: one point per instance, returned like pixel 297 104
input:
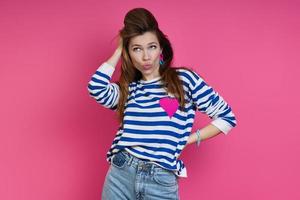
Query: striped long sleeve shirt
pixel 154 128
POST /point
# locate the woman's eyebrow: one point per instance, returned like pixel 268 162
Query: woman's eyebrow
pixel 141 45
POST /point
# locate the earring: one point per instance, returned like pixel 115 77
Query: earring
pixel 161 59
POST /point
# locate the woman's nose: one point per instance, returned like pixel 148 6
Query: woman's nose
pixel 146 55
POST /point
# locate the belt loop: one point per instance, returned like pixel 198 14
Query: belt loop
pixel 130 160
pixel 152 169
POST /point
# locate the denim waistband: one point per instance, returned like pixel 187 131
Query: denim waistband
pixel 141 164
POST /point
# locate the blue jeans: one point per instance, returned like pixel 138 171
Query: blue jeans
pixel 131 178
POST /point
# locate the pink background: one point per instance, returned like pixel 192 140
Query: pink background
pixel 54 137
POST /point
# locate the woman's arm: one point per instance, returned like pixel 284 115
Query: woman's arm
pixel 113 60
pixel 208 101
pixel 100 87
pixel 205 133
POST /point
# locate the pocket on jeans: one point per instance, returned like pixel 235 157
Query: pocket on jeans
pixel 165 178
pixel 118 160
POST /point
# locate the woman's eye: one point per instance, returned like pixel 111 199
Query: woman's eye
pixel 139 49
pixel 135 49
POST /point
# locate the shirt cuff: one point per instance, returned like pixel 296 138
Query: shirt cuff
pixel 221 124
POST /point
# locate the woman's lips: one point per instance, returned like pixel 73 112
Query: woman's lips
pixel 146 66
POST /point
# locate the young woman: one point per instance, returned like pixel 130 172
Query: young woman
pixel 156 105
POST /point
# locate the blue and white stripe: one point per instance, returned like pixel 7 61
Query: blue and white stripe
pixel 148 132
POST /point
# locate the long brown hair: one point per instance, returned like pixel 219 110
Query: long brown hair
pixel 136 22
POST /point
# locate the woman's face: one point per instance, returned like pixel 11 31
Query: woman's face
pixel 144 51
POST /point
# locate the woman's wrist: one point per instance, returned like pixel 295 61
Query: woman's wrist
pixel 198 139
pixel 206 132
pixel 113 60
pixel 192 138
pixel 118 51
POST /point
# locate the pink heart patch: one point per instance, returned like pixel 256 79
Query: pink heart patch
pixel 170 105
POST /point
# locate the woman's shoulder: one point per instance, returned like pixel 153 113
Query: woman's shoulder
pixel 187 73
